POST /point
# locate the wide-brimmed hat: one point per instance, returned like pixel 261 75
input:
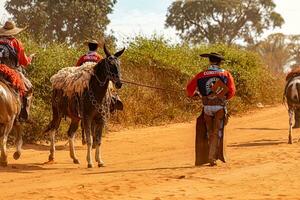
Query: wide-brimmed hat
pixel 9 29
pixel 212 55
pixel 91 42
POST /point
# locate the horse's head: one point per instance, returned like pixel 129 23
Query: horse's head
pixel 112 65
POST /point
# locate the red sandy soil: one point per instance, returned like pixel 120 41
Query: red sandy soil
pixel 157 163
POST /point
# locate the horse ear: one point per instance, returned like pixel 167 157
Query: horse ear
pixel 119 53
pixel 107 53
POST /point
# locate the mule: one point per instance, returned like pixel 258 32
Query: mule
pixel 10 104
pixel 91 106
pixel 292 98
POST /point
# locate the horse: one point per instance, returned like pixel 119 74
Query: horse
pixel 10 104
pixel 91 107
pixel 292 98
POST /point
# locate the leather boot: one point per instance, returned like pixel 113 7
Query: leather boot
pixel 213 145
pixel 26 104
pixel 116 103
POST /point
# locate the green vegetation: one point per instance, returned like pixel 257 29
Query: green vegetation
pixel 153 62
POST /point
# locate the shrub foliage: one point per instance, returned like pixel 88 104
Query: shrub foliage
pixel 154 62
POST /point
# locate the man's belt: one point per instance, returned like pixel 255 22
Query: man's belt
pixel 213 101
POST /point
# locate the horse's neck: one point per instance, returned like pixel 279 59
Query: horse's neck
pixel 99 82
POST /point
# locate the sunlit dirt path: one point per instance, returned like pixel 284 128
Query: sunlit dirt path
pixel 158 163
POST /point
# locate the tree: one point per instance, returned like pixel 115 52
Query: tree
pixel 275 50
pixel 224 21
pixel 69 21
pixel 294 47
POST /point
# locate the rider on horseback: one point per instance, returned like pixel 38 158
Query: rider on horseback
pixel 93 56
pixel 215 86
pixel 12 54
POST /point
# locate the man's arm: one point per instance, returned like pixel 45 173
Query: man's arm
pixel 192 86
pixel 80 61
pixel 231 86
pixel 22 58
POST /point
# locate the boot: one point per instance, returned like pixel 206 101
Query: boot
pixel 116 103
pixel 25 110
pixel 213 149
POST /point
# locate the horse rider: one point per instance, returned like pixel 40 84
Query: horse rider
pixel 13 55
pixel 93 56
pixel 214 105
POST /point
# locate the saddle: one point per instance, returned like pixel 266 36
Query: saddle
pixel 14 79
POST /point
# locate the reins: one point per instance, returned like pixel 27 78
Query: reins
pixel 151 87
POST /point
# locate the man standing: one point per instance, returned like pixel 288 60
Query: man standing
pixel 215 86
pixel 12 54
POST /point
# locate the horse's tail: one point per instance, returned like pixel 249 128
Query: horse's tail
pixel 56 113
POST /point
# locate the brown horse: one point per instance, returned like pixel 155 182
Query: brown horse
pixel 292 98
pixel 10 104
pixel 92 108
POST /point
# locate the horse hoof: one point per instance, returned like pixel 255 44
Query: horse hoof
pixel 17 155
pixel 50 158
pixel 101 164
pixel 90 166
pixel 76 161
pixel 83 142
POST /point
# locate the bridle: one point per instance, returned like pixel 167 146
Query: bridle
pixel 103 107
pixel 109 76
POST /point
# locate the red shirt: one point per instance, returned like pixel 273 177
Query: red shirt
pixel 89 57
pixel 23 60
pixel 224 75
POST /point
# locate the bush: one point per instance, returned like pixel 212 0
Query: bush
pixel 154 62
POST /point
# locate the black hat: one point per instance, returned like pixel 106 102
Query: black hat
pixel 212 55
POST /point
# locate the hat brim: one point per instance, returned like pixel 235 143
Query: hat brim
pixel 207 55
pixel 91 42
pixel 6 32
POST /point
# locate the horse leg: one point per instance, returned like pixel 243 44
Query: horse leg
pixel 98 137
pixel 87 129
pixel 52 130
pixel 4 131
pixel 83 140
pixel 19 141
pixel 71 134
pixel 290 126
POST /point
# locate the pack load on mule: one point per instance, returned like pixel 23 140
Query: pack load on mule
pixel 90 82
pixel 215 86
pixel 15 88
pixel 292 98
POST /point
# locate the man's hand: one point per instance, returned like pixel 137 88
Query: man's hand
pixel 196 96
pixel 31 56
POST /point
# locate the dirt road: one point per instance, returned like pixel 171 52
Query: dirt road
pixel 157 163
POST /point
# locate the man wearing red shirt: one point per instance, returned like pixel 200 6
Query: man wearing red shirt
pixel 13 55
pixel 91 55
pixel 214 102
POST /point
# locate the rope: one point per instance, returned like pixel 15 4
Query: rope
pixel 151 87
